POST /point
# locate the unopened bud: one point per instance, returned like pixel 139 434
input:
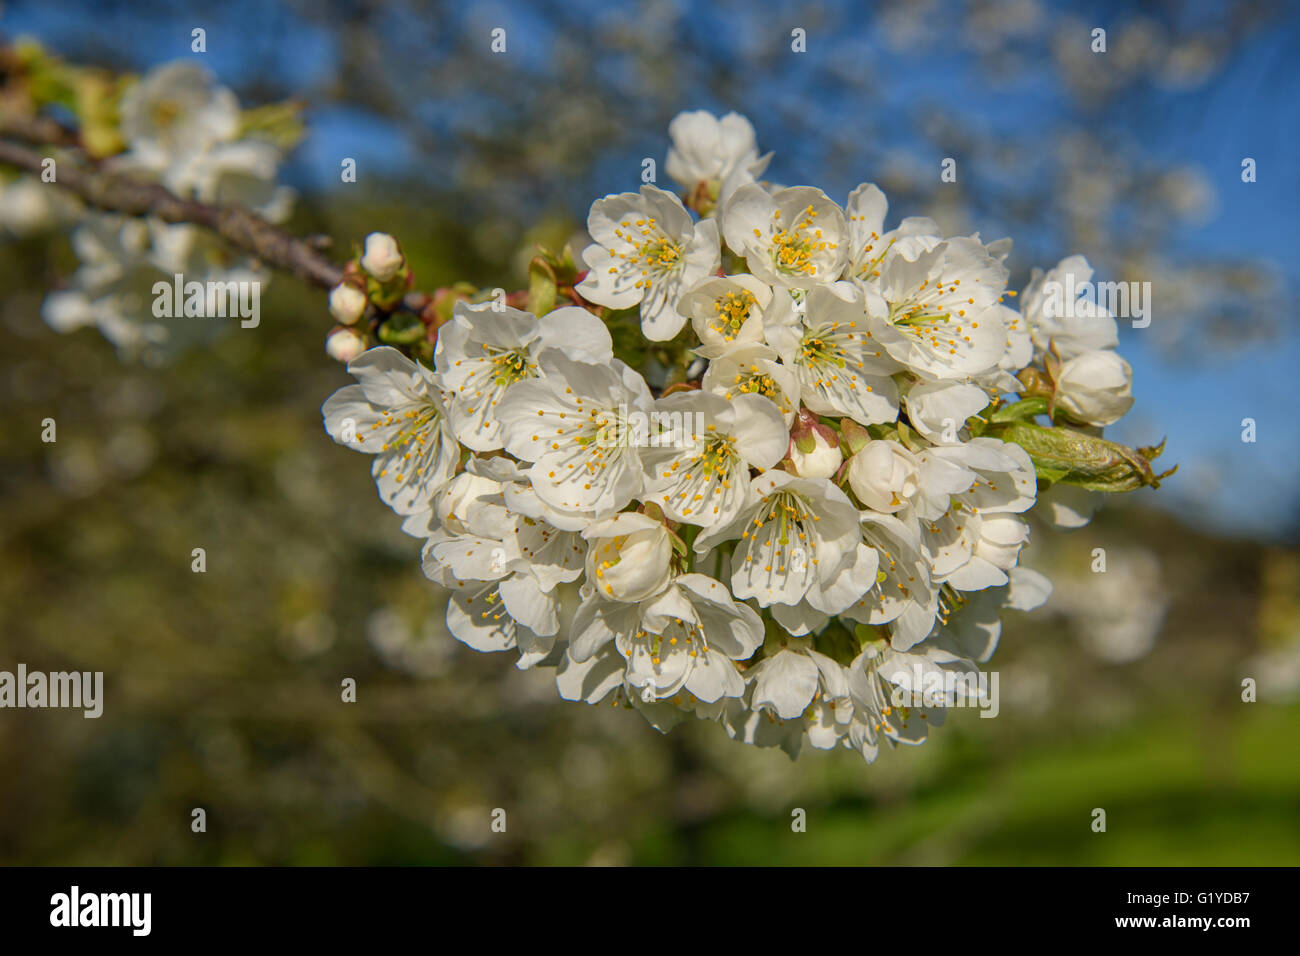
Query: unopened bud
pixel 815 457
pixel 347 303
pixel 382 258
pixel 344 344
pixel 1095 388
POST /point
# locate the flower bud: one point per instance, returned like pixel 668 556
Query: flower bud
pixel 884 476
pixel 815 457
pixel 1095 388
pixel 343 344
pixel 347 303
pixel 628 556
pixel 461 497
pixel 382 259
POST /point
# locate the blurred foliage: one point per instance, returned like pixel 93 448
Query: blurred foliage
pixel 223 688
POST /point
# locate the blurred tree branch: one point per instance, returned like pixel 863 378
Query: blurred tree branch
pixel 112 192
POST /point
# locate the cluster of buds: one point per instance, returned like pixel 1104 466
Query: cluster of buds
pixel 375 282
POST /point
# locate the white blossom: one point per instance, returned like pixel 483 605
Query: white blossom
pixel 485 349
pixel 628 556
pixel 727 310
pixel 822 461
pixel 647 251
pixel 821 438
pixel 347 303
pixel 699 470
pixel 937 306
pixel 794 237
pixel 396 412
pixel 1074 325
pixel 721 153
pixel 685 638
pixel 842 369
pixel 344 345
pixel 583 427
pixel 753 370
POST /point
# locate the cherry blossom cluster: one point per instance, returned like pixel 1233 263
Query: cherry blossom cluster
pixel 817 506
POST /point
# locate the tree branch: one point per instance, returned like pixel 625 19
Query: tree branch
pixel 38 130
pixel 112 192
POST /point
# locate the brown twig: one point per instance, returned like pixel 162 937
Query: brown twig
pixel 245 230
pixel 38 130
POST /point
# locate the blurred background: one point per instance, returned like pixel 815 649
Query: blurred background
pixel 222 689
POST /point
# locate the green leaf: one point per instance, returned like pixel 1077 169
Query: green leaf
pixel 541 286
pixel 910 439
pixel 1024 410
pixel 853 436
pixel 1076 458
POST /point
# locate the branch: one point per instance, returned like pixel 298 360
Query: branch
pixel 38 130
pixel 244 230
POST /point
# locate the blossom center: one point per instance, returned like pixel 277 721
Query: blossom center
pixel 510 365
pixel 794 248
pixel 782 535
pixel 678 635
pixel 733 309
pixel 653 253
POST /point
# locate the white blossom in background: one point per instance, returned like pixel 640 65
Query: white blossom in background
pixel 177 110
pixel 1118 615
pixel 120 261
pixel 183 131
pixel 29 207
pixel 720 153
